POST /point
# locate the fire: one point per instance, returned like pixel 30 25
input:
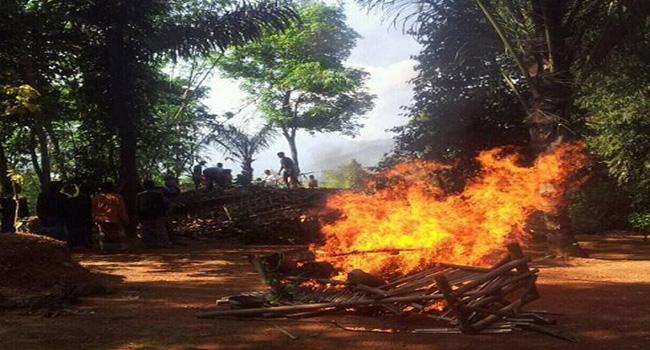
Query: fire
pixel 405 211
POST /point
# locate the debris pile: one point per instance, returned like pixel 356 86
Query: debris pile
pixel 455 298
pixel 38 271
pixel 252 215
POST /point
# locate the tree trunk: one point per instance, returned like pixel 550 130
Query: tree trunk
pixel 551 99
pixel 290 135
pixel 122 110
pixel 5 181
pixel 247 168
pixel 56 151
pixel 547 132
pixel 38 139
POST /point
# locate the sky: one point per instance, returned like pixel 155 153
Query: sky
pixel 384 52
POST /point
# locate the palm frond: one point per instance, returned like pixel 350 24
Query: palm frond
pixel 410 13
pixel 218 30
pixel 239 145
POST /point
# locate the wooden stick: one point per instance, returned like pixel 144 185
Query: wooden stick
pixel 285 332
pixel 369 289
pixel 316 306
pixel 445 289
pixel 484 323
pixel 497 287
pixel 490 275
pixel 417 275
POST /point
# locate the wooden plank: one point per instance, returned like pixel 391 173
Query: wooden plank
pixel 445 289
pixel 490 275
pixel 315 306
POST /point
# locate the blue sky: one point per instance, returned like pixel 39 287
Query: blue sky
pixel 385 53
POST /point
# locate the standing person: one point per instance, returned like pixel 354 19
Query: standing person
pixel 313 183
pixel 109 214
pixel 8 207
pixel 150 208
pixel 171 191
pixel 290 174
pixel 171 188
pixel 50 211
pixel 78 215
pixel 216 176
pixel 197 172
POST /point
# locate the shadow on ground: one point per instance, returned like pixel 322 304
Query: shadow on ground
pixel 604 302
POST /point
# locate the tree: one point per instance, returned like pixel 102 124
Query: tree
pixel 552 45
pixel 350 175
pixel 242 147
pixel 461 103
pixel 616 101
pixel 130 38
pixel 298 78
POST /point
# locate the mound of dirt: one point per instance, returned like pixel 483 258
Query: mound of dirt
pixel 31 264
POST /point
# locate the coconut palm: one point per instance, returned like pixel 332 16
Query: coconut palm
pixel 242 147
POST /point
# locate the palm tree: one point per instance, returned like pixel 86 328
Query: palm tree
pixel 554 44
pixel 242 147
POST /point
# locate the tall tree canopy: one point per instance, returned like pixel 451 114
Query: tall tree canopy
pixel 461 103
pixel 97 68
pixel 298 77
pixel 543 50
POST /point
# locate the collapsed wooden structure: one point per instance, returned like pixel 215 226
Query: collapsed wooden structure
pixel 252 214
pixel 464 299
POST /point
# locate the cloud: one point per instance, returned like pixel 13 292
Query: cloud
pixel 390 84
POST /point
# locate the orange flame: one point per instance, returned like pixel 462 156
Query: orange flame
pixel 412 214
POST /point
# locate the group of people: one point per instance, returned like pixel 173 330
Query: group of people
pixel 64 213
pixel 211 177
pixel 153 206
pixel 218 177
pixel 71 214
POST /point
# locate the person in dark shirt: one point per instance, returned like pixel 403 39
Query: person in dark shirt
pixel 151 214
pixel 197 172
pixel 78 216
pixel 288 171
pixel 8 209
pixel 216 176
pixel 50 211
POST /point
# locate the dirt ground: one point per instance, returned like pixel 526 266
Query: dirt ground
pixel 605 302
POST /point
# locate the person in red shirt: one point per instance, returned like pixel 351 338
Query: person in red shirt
pixel 109 214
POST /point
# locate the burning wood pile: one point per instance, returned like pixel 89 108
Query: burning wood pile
pixel 391 238
pixel 457 299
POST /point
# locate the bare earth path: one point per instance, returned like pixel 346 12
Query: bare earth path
pixel 605 301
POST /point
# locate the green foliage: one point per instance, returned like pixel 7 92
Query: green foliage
pixel 84 88
pixel 20 99
pixel 599 205
pixel 351 175
pixel 461 103
pixel 298 78
pixel 280 290
pixel 616 102
pixel 640 221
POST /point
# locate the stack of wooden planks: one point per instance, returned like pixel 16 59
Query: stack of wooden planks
pixel 465 299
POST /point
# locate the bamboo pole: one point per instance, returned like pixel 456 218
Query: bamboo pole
pixel 308 307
